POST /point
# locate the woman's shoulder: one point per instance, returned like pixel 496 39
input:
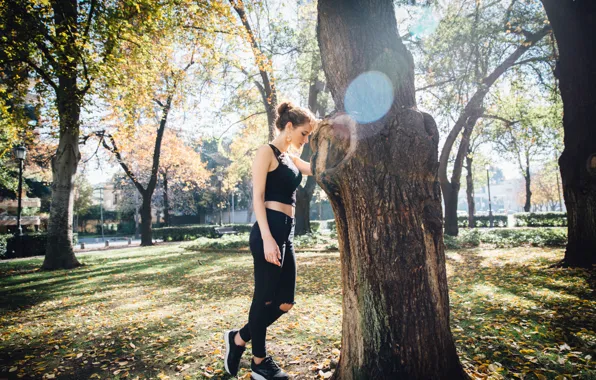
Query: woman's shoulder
pixel 264 149
pixel 265 152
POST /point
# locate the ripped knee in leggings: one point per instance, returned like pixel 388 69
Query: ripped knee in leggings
pixel 285 307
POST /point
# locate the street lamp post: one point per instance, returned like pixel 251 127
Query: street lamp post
pixel 490 210
pixel 21 152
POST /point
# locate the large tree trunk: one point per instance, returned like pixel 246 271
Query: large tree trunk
pixel 574 24
pixel 59 250
pixel 470 192
pixel 395 300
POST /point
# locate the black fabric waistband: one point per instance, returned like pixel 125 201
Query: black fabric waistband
pixel 280 215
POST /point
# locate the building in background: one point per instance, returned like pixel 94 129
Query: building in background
pixel 8 212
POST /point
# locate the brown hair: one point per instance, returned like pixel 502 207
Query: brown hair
pixel 287 112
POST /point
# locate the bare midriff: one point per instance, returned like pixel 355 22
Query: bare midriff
pixel 282 207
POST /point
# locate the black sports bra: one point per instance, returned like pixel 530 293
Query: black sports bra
pixel 282 182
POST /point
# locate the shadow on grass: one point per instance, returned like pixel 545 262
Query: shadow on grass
pixel 221 278
pixel 161 310
pixel 521 313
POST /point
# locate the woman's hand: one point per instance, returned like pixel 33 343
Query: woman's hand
pixel 272 253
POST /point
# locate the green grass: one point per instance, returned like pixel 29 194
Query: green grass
pixel 160 312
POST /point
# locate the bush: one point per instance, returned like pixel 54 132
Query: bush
pixel 192 232
pixel 540 219
pixel 499 220
pixel 538 237
pixel 315 226
pixel 225 242
pixel 241 228
pixel 3 242
pixel 331 224
pixel 32 245
pixel 184 233
pixel 126 227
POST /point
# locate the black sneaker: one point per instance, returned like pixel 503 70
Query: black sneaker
pixel 267 370
pixel 233 353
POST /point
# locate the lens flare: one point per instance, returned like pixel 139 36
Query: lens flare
pixel 369 97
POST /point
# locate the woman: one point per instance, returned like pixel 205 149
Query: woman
pixel 276 175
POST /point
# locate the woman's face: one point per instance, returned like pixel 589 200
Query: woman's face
pixel 299 134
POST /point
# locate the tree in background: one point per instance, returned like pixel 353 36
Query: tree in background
pixel 263 61
pixel 473 159
pixel 475 44
pixel 181 170
pixel 546 188
pixel 83 197
pixel 62 43
pixel 526 132
pixel 155 78
pixel 242 152
pixel 573 25
pixel 381 179
pixel 310 70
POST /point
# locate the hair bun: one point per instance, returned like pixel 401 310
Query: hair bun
pixel 284 107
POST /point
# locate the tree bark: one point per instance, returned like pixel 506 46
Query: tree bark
pixel 470 192
pixel 303 198
pixel 59 250
pixel 528 179
pixel 395 300
pixel 574 24
pixel 146 234
pixel 466 122
pixel 166 202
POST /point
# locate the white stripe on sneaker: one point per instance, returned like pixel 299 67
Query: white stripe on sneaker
pixel 256 376
pixel 227 339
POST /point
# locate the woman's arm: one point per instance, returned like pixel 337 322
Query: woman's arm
pixel 302 165
pixel 260 167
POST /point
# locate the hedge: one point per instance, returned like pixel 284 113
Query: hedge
pixel 540 219
pixel 34 244
pixel 499 220
pixel 538 237
pixel 315 226
pixel 331 225
pixel 192 232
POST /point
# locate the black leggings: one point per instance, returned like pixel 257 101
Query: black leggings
pixel 274 285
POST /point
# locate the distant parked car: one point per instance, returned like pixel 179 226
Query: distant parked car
pixel 462 213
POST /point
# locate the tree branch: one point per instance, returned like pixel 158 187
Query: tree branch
pixel 89 18
pixel 116 152
pixel 506 121
pixel 239 121
pixel 43 74
pixel 437 84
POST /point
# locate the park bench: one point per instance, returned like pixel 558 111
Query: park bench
pixel 225 230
